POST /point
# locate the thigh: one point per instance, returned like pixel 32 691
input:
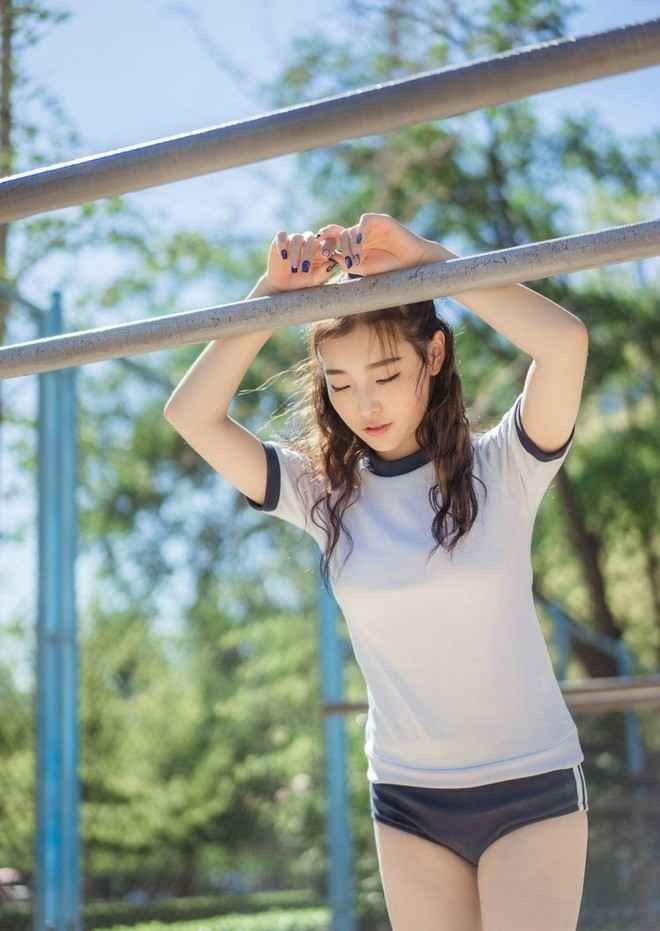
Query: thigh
pixel 533 876
pixel 427 887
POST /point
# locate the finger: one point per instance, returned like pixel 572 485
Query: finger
pixel 308 251
pixel 346 247
pixel 327 237
pixel 281 241
pixel 332 229
pixel 328 246
pixel 295 250
pixel 355 234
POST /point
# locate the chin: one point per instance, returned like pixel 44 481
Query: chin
pixel 383 443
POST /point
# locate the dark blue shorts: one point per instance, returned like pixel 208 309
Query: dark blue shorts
pixel 468 820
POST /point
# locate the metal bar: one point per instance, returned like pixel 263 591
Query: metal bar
pixel 341 870
pixel 9 293
pixel 68 883
pixel 590 696
pixel 423 282
pixel 49 761
pixel 430 95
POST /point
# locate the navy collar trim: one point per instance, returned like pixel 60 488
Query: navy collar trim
pixel 380 466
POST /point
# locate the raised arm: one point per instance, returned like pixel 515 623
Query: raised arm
pixel 198 408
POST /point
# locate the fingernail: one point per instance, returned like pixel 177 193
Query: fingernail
pixel 285 254
pixel 359 237
pixel 294 269
pixel 349 261
pixel 305 266
pixel 318 236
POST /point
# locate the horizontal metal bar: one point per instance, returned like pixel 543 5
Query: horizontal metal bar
pixel 9 293
pixel 430 95
pixel 591 696
pixel 423 282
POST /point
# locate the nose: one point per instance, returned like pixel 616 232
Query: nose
pixel 368 409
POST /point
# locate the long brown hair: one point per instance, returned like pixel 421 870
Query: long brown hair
pixel 334 451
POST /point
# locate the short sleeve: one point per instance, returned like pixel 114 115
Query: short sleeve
pixel 524 468
pixel 290 489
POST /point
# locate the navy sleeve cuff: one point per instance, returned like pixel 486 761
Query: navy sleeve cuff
pixel 273 481
pixel 531 446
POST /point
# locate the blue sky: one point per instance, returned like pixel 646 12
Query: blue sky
pixel 132 71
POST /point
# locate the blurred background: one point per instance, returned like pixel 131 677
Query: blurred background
pixel 202 765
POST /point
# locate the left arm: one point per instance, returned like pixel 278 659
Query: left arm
pixel 556 340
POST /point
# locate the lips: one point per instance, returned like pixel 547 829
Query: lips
pixel 378 429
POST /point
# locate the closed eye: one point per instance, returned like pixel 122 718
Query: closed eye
pixel 379 381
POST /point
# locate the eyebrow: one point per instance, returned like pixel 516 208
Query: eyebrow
pixel 372 365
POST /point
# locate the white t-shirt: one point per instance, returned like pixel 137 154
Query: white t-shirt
pixel 460 684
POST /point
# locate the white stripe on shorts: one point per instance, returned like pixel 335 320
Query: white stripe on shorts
pixel 581 784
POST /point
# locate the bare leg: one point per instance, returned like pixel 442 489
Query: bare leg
pixel 533 877
pixel 427 887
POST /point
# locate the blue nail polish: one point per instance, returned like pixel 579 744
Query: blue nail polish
pixel 305 266
pixel 285 254
pixel 359 237
pixel 349 261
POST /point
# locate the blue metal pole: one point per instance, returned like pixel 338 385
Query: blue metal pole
pixel 562 638
pixel 340 873
pixel 634 740
pixel 48 757
pixel 56 855
pixel 71 891
pixel 564 629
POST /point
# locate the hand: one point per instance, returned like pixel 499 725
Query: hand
pixel 299 248
pixel 378 243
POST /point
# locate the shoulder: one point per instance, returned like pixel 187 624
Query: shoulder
pixel 511 456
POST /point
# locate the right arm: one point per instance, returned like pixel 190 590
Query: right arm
pixel 198 408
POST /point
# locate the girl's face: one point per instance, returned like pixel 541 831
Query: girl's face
pixel 369 388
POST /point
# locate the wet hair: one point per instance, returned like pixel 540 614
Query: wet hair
pixel 334 452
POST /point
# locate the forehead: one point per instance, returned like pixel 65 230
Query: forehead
pixel 358 351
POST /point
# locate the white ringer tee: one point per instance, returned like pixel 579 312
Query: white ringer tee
pixel 460 683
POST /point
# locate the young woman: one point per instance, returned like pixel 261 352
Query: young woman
pixel 478 796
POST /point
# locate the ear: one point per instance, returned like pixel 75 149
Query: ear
pixel 437 351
